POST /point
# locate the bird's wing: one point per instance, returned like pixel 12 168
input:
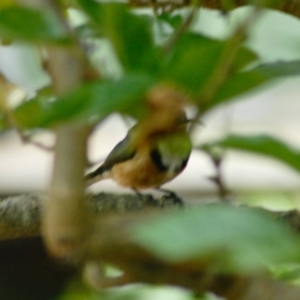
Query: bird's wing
pixel 120 153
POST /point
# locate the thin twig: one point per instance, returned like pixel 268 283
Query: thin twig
pixel 179 32
pixel 224 66
pixel 218 179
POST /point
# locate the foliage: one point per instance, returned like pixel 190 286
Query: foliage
pixel 195 63
pixel 235 231
pixel 30 25
pixel 97 99
pixel 261 144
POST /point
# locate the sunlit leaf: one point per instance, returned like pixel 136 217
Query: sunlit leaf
pixel 287 272
pixel 264 145
pixel 238 239
pixel 28 24
pixel 5 3
pixel 97 100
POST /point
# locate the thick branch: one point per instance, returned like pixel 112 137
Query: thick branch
pixel 110 242
pixel 20 216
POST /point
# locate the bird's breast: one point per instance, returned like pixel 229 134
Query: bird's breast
pixel 141 173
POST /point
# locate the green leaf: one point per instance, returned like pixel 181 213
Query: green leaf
pixel 91 8
pixel 33 113
pixel 5 3
pixel 244 57
pixel 266 3
pixel 192 61
pixel 264 145
pixel 228 238
pixel 124 96
pixel 287 272
pixel 97 100
pixel 280 68
pixel 172 20
pixel 195 57
pixel 31 25
pixel 227 5
pixel 130 34
pixel 3 125
pixel 237 85
pixel 247 81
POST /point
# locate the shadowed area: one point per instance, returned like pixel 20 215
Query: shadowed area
pixel 28 273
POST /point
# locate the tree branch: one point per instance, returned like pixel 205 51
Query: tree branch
pixel 291 7
pixel 20 216
pixel 109 241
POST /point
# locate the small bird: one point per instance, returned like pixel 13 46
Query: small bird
pixel 147 161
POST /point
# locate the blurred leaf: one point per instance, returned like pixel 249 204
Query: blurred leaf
pixel 242 82
pixel 275 200
pixel 172 20
pixel 287 272
pixel 192 61
pixel 97 100
pixel 262 144
pixel 33 113
pixel 231 4
pixel 130 34
pixel 91 8
pixel 280 68
pixel 77 290
pixel 195 58
pixel 32 25
pixel 235 239
pixel 5 3
pixel 237 85
pixel 244 57
pixel 122 96
pixel 266 3
pixel 227 5
pixel 3 125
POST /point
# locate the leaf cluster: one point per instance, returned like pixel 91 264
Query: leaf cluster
pixel 189 64
pixel 231 239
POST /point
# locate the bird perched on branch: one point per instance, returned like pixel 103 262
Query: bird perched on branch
pixel 154 152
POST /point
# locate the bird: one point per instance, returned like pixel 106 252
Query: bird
pixel 147 161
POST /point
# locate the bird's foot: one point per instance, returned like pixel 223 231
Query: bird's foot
pixel 146 198
pixel 171 196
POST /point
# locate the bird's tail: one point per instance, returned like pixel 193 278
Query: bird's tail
pixel 97 175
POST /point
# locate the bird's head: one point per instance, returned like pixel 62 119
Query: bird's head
pixel 166 112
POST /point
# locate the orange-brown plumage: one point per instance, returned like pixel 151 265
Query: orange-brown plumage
pixel 140 172
pixel 155 150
